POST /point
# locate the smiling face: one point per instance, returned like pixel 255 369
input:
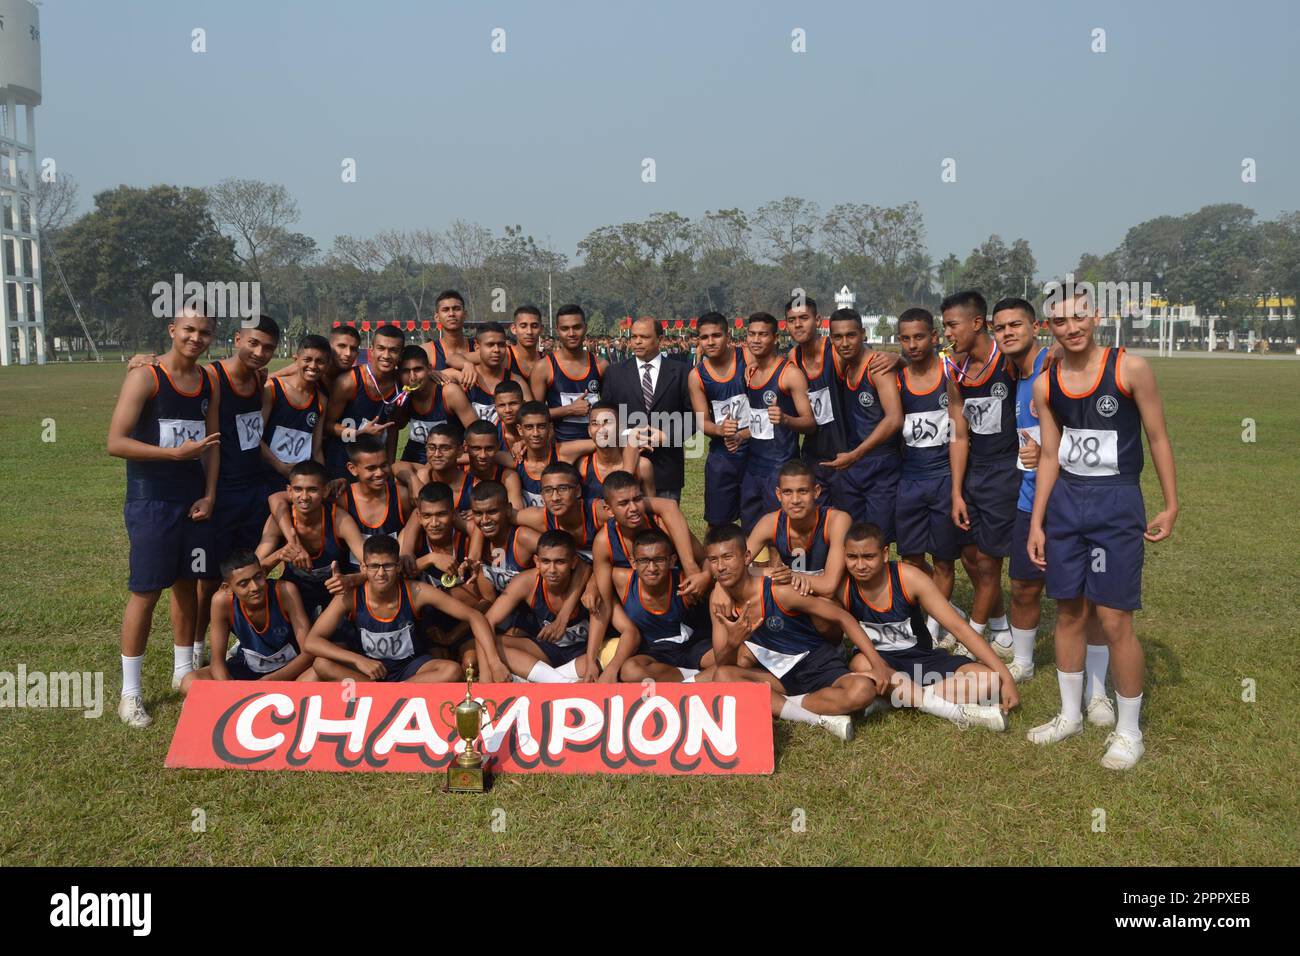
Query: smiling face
pixel 385 351
pixel 1014 331
pixel 436 519
pixel 370 469
pixel 1072 322
pixel 312 364
pixel 491 515
pixel 761 339
pixel 797 495
pixel 602 428
pixel 442 452
pixel 846 339
pixel 653 562
pixel 536 431
pixel 191 334
pixel 729 562
pixel 559 493
pixel 571 330
pixel 306 492
pixel 249 585
pixel 254 348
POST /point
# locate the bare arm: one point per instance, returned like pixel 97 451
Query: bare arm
pixel 1136 371
pixel 291 604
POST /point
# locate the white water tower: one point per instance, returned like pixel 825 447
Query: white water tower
pixel 20 254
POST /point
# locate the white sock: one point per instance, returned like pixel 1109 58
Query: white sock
pixel 932 703
pixel 963 614
pixel 1095 666
pixel 182 659
pixel 932 626
pixel 1127 710
pixel 793 709
pixel 198 654
pixel 516 679
pixel 977 628
pixel 688 675
pixel 131 675
pixel 999 623
pixel 1022 639
pixel 569 671
pixel 544 673
pixel 1071 695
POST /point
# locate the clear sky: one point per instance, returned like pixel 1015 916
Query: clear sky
pixel 1053 143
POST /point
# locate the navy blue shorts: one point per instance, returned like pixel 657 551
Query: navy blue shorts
pixel 557 655
pixel 819 668
pixel 404 669
pixel 682 656
pixel 757 493
pixel 1095 546
pixel 924 667
pixel 315 596
pixel 163 540
pixel 991 496
pixel 239 669
pixel 868 491
pixel 1022 569
pixel 722 479
pixel 923 518
pixel 236 522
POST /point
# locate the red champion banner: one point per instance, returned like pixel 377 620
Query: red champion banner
pixel 528 728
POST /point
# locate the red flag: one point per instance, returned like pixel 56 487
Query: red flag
pixel 740 323
pixel 781 325
pixel 424 325
pixel 365 326
pixel 410 325
pixel 337 323
pixel 694 322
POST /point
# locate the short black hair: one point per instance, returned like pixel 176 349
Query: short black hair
pixel 1015 302
pixel 534 408
pixel 414 353
pixel 447 429
pixel 507 387
pixel 347 330
pixel 865 531
pixel 481 426
pixel 495 327
pixel 239 558
pixel 316 343
pixel 619 481
pixel 804 300
pixel 391 332
pixel 562 468
pixel 557 539
pixel 966 299
pixel 721 534
pixel 847 315
pixel 761 318
pixel 264 324
pixel 488 490
pixel 917 315
pixel 380 546
pixel 571 309
pixel 528 310
pixel 448 294
pixel 651 537
pixel 712 318
pixel 796 468
pixel 367 445
pixel 310 468
pixel 435 493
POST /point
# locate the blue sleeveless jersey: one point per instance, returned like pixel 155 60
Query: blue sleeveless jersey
pixel 1101 430
pixel 502 564
pixel 540 611
pixel 590 527
pixel 483 401
pixel 440 354
pixel 822 389
pixel 289 427
pixel 270 647
pixel 771 445
pixel 168 419
pixel 394 517
pixel 727 398
pixel 396 639
pixel 666 627
pixel 240 420
pixel 898 626
pixel 331 550
pixel 862 409
pixel 783 631
pixel 1027 420
pixel 465 496
pixel 814 557
pixel 420 422
pixel 533 484
pixel 368 405
pixel 564 391
pixel 593 482
pixel 620 545
pixel 927 428
pixel 989 412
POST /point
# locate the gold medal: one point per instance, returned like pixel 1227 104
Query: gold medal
pixel 449 579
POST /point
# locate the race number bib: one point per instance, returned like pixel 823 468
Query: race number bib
pixel 568 398
pixel 532 499
pixel 290 445
pixel 573 634
pixel 1036 434
pixel 417 433
pixel 266 663
pixel 760 426
pixel 681 637
pixel 1089 452
pixel 735 408
pixel 350 428
pixel 776 663
pixel 497 572
pixel 896 636
pixel 983 415
pixel 387 645
pixel 487 413
pixel 927 429
pixel 249 426
pixel 821 405
pixel 174 432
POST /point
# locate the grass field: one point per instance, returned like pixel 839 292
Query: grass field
pixel 1218 785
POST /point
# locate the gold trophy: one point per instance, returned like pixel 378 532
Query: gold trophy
pixel 466 773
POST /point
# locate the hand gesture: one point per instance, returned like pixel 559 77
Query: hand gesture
pixel 1162 525
pixel 1029 450
pixel 190 449
pixel 201 510
pixel 334 583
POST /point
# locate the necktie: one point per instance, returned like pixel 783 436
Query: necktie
pixel 647 386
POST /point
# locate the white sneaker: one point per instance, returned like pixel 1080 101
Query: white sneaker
pixel 839 725
pixel 1006 651
pixel 984 715
pixel 131 710
pixel 961 650
pixel 1021 672
pixel 1122 751
pixel 1101 712
pixel 1055 730
pixel 177 677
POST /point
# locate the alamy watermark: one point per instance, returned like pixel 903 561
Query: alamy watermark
pixel 1125 300
pixel 72 690
pixel 216 300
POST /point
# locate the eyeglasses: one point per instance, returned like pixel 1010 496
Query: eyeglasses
pixel 383 568
pixel 554 490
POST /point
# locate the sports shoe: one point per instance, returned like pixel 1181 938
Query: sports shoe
pixel 961 650
pixel 839 725
pixel 178 677
pixel 945 641
pixel 131 710
pixel 1122 751
pixel 984 715
pixel 1021 672
pixel 1006 651
pixel 1055 730
pixel 878 706
pixel 1101 712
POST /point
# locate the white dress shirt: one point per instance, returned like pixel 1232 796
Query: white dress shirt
pixel 654 364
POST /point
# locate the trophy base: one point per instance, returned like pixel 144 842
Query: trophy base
pixel 467 780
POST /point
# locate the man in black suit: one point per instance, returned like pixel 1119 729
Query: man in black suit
pixel 652 386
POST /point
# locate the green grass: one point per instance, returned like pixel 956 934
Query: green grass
pixel 1218 784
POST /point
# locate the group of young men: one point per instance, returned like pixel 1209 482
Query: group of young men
pixel 475 503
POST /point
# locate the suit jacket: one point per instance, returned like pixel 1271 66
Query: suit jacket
pixel 622 385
